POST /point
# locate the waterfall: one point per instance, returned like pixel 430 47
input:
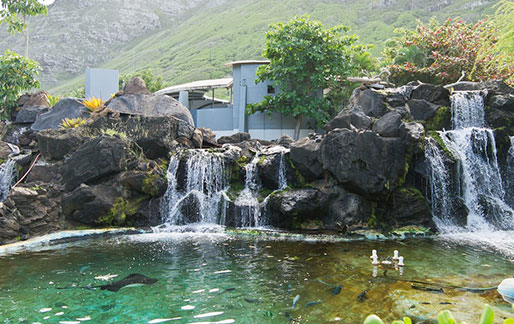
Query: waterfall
pixel 7 174
pixel 197 182
pixel 479 182
pixel 282 178
pixel 247 204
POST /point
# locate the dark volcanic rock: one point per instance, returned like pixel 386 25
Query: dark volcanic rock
pixel 371 102
pixel 89 204
pixel 95 159
pixel 409 207
pixel 346 211
pixel 348 117
pixel 270 167
pixel 148 214
pixel 157 136
pixel 151 106
pixel 27 212
pixel 37 99
pixel 55 144
pixel 65 108
pixel 28 115
pixel 305 156
pixel 388 125
pixel 208 138
pixel 421 109
pixel 136 86
pixel 285 140
pixel 234 139
pixel 368 163
pixel 432 93
pixel 287 209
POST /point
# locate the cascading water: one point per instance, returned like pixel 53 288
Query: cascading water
pixel 196 189
pixel 7 174
pixel 479 182
pixel 247 204
pixel 282 177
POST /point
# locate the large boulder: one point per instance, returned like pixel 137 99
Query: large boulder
pixel 56 144
pixel 388 125
pixel 348 118
pixel 305 156
pixel 94 160
pixel 432 93
pixel 234 139
pixel 367 163
pixel 65 108
pixel 90 205
pixel 409 207
pixel 420 109
pixel 28 115
pixel 371 102
pixel 493 86
pixel 274 169
pixel 157 136
pixel 289 208
pixel 136 86
pixel 151 106
pixel 208 138
pixel 347 210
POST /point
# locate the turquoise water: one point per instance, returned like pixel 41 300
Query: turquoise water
pixel 215 278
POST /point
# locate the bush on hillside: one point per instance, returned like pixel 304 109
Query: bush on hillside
pixel 153 83
pixel 441 53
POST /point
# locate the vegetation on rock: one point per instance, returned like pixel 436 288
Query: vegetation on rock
pixel 72 122
pixel 448 52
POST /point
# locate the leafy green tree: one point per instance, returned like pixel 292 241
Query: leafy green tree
pixel 153 83
pixel 17 74
pixel 15 13
pixel 305 59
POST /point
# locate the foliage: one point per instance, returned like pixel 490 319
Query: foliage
pixel 444 317
pixel 72 122
pixel 153 83
pixel 15 15
pixel 17 74
pixel 441 53
pixel 52 100
pixel 93 104
pixel 305 58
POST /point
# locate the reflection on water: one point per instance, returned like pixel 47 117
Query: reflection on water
pixel 214 278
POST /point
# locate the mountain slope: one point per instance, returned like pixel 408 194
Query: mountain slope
pixel 191 40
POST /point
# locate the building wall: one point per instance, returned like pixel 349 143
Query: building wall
pixel 101 83
pixel 227 121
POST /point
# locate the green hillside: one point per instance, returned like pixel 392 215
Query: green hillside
pixel 198 46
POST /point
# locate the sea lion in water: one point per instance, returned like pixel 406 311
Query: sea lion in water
pixel 134 279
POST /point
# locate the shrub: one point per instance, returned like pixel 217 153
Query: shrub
pixel 153 83
pixel 53 100
pixel 93 104
pixel 72 122
pixel 17 74
pixel 440 53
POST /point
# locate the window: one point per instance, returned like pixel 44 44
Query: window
pixel 271 89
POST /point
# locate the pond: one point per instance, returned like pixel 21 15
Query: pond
pixel 220 278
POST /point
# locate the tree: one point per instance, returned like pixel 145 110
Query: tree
pixel 15 13
pixel 440 53
pixel 305 58
pixel 17 74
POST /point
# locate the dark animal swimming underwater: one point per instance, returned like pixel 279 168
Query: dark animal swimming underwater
pixel 134 279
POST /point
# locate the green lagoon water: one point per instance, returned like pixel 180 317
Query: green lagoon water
pixel 217 278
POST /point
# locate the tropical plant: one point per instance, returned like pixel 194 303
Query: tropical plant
pixel 153 83
pixel 443 53
pixel 15 14
pixel 93 104
pixel 52 100
pixel 72 122
pixel 17 74
pixel 444 317
pixel 305 58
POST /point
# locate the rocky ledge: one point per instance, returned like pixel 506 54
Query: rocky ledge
pixel 367 171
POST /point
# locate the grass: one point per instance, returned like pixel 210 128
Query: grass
pixel 197 43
